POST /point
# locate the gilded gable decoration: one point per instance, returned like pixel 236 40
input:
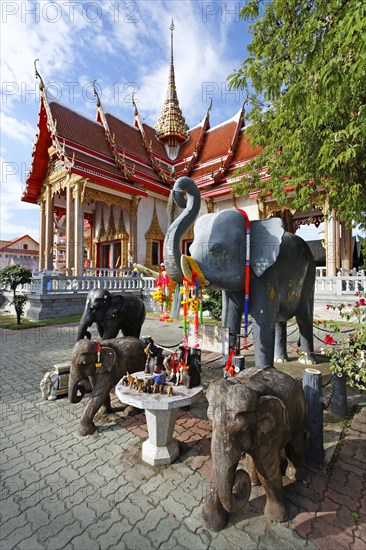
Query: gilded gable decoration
pixel 111 229
pixel 101 233
pixel 121 231
pixel 154 231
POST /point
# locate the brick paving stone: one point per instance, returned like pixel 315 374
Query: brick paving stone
pixel 63 537
pixel 30 543
pixel 18 534
pixel 84 542
pixel 133 540
pixel 150 521
pixel 163 531
pixel 339 498
pixel 41 436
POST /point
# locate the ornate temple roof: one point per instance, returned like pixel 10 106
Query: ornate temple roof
pixel 135 159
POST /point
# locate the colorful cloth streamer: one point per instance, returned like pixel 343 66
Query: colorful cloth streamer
pixel 247 276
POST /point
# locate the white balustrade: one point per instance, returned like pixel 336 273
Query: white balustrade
pixel 62 284
pixel 340 285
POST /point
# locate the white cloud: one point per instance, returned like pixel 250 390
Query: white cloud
pixel 17 129
pixel 17 218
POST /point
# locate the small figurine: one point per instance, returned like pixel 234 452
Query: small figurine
pixel 169 391
pixel 139 384
pixel 131 381
pixel 154 356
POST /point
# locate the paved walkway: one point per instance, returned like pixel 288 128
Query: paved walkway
pixel 60 490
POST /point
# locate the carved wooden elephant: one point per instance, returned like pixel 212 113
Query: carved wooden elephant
pixel 259 412
pixel 104 364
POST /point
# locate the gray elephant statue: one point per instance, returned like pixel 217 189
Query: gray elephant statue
pixel 282 272
pixel 112 313
pixel 259 412
pixel 103 364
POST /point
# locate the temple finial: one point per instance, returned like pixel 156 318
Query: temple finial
pixel 134 103
pixel 209 108
pixel 41 83
pixel 96 94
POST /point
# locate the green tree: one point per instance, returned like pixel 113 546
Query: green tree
pixel 213 303
pixel 305 77
pixel 12 276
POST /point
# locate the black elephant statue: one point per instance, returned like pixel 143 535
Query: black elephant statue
pixel 191 375
pixel 259 413
pixel 103 364
pixel 112 313
pixel 282 272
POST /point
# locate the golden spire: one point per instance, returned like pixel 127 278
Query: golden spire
pixel 171 127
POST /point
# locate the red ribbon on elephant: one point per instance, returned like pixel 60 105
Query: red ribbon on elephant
pixel 98 349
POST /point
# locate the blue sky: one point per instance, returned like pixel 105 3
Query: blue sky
pixel 125 46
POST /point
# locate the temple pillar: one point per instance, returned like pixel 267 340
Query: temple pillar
pixel 346 248
pixel 111 256
pixel 330 239
pixel 42 223
pixel 337 228
pixel 48 248
pixel 134 204
pixel 69 231
pixel 78 231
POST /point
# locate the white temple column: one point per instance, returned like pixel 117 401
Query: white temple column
pixel 111 256
pixel 69 230
pixel 78 231
pixel 42 223
pixel 331 245
pixel 48 251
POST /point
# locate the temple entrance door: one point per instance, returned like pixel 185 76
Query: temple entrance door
pixel 104 255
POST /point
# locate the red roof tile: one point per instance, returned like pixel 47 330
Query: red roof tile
pixel 217 141
pixel 79 129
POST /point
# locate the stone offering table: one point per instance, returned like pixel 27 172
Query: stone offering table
pixel 161 413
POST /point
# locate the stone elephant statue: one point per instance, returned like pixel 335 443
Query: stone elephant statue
pixel 259 412
pixel 112 313
pixel 282 272
pixel 103 364
pixel 48 385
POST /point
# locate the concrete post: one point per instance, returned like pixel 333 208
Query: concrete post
pixel 312 384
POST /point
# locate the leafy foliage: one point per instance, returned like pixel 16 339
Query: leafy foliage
pixel 12 276
pixel 348 352
pixel 306 81
pixel 213 303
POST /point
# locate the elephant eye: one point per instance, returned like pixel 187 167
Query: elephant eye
pixel 240 423
pixel 215 249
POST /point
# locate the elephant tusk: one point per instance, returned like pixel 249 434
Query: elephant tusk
pixel 188 264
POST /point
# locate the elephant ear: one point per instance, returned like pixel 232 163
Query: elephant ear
pixel 265 241
pixel 108 358
pixel 272 420
pixel 116 307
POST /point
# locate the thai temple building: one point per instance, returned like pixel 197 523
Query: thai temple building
pixel 103 185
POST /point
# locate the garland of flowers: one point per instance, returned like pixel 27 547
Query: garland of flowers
pixel 162 295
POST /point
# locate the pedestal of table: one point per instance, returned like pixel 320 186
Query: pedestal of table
pixel 160 448
pixel 161 413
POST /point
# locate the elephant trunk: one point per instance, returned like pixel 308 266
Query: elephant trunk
pixel 84 324
pixel 74 388
pixel 233 486
pixel 172 242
